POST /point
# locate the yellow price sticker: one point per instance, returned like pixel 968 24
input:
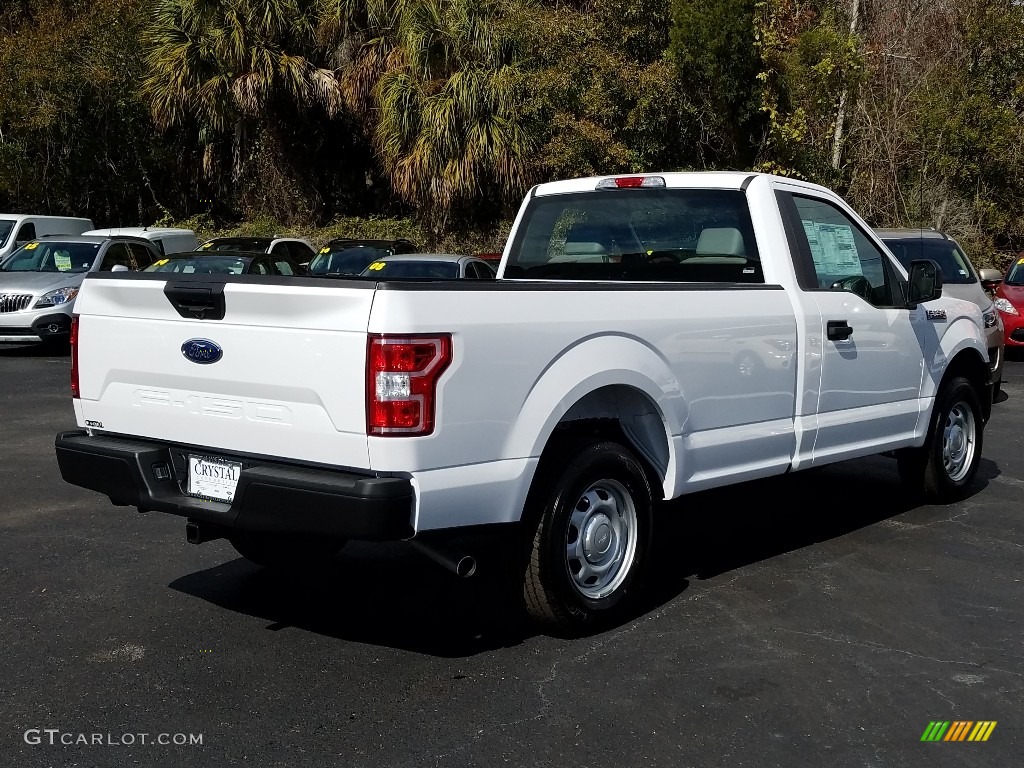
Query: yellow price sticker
pixel 1021 261
pixel 31 246
pixel 377 266
pixel 207 245
pixel 325 250
pixel 160 263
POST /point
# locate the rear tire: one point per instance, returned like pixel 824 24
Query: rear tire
pixel 285 551
pixel 588 537
pixel 943 469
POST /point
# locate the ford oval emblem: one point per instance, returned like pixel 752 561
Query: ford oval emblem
pixel 202 351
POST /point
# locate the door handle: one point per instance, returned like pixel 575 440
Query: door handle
pixel 838 330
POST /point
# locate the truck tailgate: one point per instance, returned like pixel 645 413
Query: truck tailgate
pixel 293 390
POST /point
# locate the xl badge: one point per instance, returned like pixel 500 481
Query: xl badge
pixel 202 351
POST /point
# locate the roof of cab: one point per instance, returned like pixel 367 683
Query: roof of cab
pixel 444 257
pixel 90 239
pixel 143 232
pixel 673 180
pixel 44 218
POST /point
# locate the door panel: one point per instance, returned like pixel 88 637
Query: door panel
pixel 872 357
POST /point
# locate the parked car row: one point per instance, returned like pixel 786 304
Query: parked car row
pixel 44 259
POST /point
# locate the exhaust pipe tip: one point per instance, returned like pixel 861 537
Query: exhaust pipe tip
pixel 461 564
pixel 465 567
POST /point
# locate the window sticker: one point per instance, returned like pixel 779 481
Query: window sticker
pixel 160 263
pixel 31 246
pixel 207 245
pixel 833 248
pixel 377 266
pixel 62 260
pixel 325 249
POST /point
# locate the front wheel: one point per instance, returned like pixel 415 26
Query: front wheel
pixel 589 536
pixel 943 469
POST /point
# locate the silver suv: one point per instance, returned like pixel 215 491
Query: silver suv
pixel 40 280
pixel 959 280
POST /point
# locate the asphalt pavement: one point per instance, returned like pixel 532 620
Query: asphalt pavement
pixel 820 619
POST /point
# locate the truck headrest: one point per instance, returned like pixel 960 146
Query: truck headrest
pixel 720 241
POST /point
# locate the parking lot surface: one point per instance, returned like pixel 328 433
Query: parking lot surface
pixel 820 619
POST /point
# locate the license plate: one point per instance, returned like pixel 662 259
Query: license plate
pixel 213 478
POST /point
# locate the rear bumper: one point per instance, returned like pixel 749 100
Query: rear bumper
pixel 270 497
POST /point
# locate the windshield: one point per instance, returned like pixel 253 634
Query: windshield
pixel 252 244
pixel 665 235
pixel 345 259
pixel 6 227
pixel 390 269
pixel 201 265
pixel 52 257
pixel 1016 274
pixel 954 264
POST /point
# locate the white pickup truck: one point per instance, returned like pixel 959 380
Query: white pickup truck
pixel 647 336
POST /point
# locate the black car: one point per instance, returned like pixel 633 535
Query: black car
pixel 228 263
pixel 348 256
pixel 300 250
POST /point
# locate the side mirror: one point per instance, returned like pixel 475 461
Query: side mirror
pixel 925 282
pixel 119 268
pixel 990 279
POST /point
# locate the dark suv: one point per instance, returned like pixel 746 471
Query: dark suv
pixel 347 256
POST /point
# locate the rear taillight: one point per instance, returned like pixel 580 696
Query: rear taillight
pixel 75 392
pixel 401 382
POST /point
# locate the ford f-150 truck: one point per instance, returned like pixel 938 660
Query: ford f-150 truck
pixel 648 336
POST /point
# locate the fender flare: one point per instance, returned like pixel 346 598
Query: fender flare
pixel 583 368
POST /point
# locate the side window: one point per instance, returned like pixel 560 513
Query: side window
pixel 261 267
pixel 26 233
pixel 160 246
pixel 142 257
pixel 116 255
pixel 301 252
pixel 283 267
pixel 280 248
pixel 486 271
pixel 842 258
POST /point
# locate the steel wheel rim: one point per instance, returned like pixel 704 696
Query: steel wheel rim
pixel 600 540
pixel 958 442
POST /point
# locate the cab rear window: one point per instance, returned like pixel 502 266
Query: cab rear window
pixel 390 269
pixel 205 265
pixel 663 235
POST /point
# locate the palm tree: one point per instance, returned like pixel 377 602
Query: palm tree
pixel 226 63
pixel 440 84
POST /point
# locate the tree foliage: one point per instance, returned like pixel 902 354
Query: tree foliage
pixel 302 111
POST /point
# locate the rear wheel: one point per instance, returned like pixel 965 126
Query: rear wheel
pixel 285 551
pixel 943 469
pixel 588 537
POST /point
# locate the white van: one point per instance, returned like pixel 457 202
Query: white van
pixel 166 239
pixel 16 229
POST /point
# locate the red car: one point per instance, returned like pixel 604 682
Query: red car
pixel 1010 303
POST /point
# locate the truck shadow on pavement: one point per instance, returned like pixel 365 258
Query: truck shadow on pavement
pixel 387 594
